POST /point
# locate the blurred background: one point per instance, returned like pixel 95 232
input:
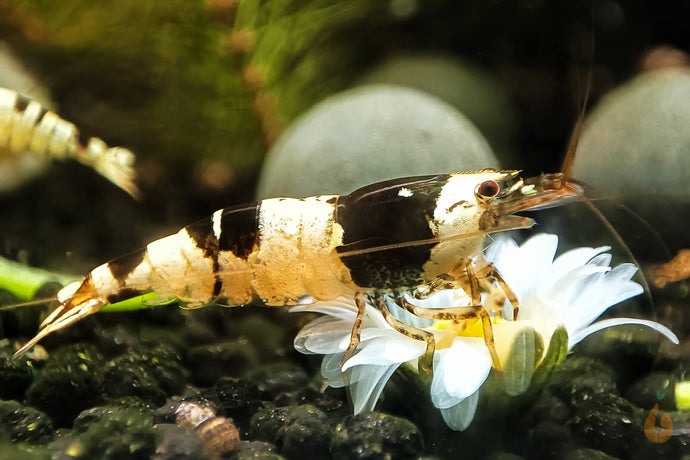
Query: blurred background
pixel 204 92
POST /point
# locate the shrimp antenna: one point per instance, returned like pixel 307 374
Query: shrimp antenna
pixel 597 212
pixel 619 204
pixel 567 169
pixel 28 303
pixel 352 249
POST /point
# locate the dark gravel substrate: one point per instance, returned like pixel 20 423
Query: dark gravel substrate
pixel 113 393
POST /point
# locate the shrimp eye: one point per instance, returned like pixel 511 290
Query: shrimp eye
pixel 487 189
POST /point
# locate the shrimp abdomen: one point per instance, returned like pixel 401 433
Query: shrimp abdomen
pixel 277 252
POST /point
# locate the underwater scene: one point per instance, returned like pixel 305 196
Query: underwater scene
pixel 364 229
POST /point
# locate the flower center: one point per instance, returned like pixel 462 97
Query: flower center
pixel 465 328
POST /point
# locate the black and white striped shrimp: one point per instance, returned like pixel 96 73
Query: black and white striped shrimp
pixel 28 128
pixel 405 236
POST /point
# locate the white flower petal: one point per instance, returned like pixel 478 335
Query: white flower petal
pixel 504 253
pixel 623 272
pixel 459 371
pixel 322 336
pixel 406 317
pixel 387 349
pixel 524 268
pixel 460 416
pixel 542 249
pixel 570 284
pixel 537 255
pixel 345 309
pixel 369 333
pixel 597 294
pixel 338 308
pixel 574 258
pixel 501 248
pixel 330 370
pixel 541 317
pixel 606 323
pixel 443 299
pixel 366 385
pixel 603 260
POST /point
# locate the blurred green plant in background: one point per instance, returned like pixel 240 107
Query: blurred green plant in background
pixel 184 80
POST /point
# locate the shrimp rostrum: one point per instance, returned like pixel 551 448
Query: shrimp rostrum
pixel 409 236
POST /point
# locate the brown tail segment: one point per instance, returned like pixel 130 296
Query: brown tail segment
pixel 77 306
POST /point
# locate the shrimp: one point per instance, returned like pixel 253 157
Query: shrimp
pixel 412 236
pixel 27 127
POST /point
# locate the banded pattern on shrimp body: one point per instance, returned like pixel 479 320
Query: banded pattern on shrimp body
pixel 388 238
pixel 276 252
pixel 26 127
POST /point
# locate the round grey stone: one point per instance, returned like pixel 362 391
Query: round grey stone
pixel 370 134
pixel 637 140
pixel 467 87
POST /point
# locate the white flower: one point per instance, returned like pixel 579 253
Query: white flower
pixel 382 350
pixel 459 372
pixel 572 291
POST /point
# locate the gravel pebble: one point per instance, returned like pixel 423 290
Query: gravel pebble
pixel 69 382
pixel 376 436
pixel 296 430
pixel 609 423
pixel 24 424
